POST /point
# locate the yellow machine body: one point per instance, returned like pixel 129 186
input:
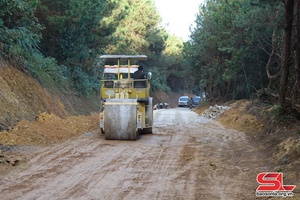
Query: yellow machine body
pixel 126 105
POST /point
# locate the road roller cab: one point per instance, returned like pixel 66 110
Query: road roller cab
pixel 126 105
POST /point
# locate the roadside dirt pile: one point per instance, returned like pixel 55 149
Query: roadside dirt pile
pixel 278 138
pixel 214 112
pixel 48 129
pixel 242 116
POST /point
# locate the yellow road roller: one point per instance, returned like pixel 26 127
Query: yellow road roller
pixel 126 108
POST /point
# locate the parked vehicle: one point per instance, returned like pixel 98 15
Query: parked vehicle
pixel 195 101
pixel 183 101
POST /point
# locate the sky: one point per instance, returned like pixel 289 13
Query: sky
pixel 178 15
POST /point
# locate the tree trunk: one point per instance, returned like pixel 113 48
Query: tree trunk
pixel 297 59
pixel 288 26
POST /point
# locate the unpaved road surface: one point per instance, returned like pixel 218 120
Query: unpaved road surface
pixel 187 157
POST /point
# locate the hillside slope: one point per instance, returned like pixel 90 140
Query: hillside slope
pixel 22 97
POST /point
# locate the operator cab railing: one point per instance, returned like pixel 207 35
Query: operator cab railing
pixel 138 83
pixel 117 80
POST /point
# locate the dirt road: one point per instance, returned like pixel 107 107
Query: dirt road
pixel 187 157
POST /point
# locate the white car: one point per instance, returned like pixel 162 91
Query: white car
pixel 183 101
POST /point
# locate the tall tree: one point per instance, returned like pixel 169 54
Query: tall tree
pixel 297 56
pixel 74 33
pixel 138 30
pixel 228 47
pixel 287 40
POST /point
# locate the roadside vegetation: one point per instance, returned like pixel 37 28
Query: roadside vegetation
pixel 238 48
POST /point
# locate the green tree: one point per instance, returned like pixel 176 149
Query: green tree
pixel 225 49
pixel 20 36
pixel 19 30
pixel 138 31
pixel 75 34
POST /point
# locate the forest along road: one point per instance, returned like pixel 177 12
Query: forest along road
pixel 187 157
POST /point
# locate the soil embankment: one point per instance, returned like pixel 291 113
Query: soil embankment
pixel 23 98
